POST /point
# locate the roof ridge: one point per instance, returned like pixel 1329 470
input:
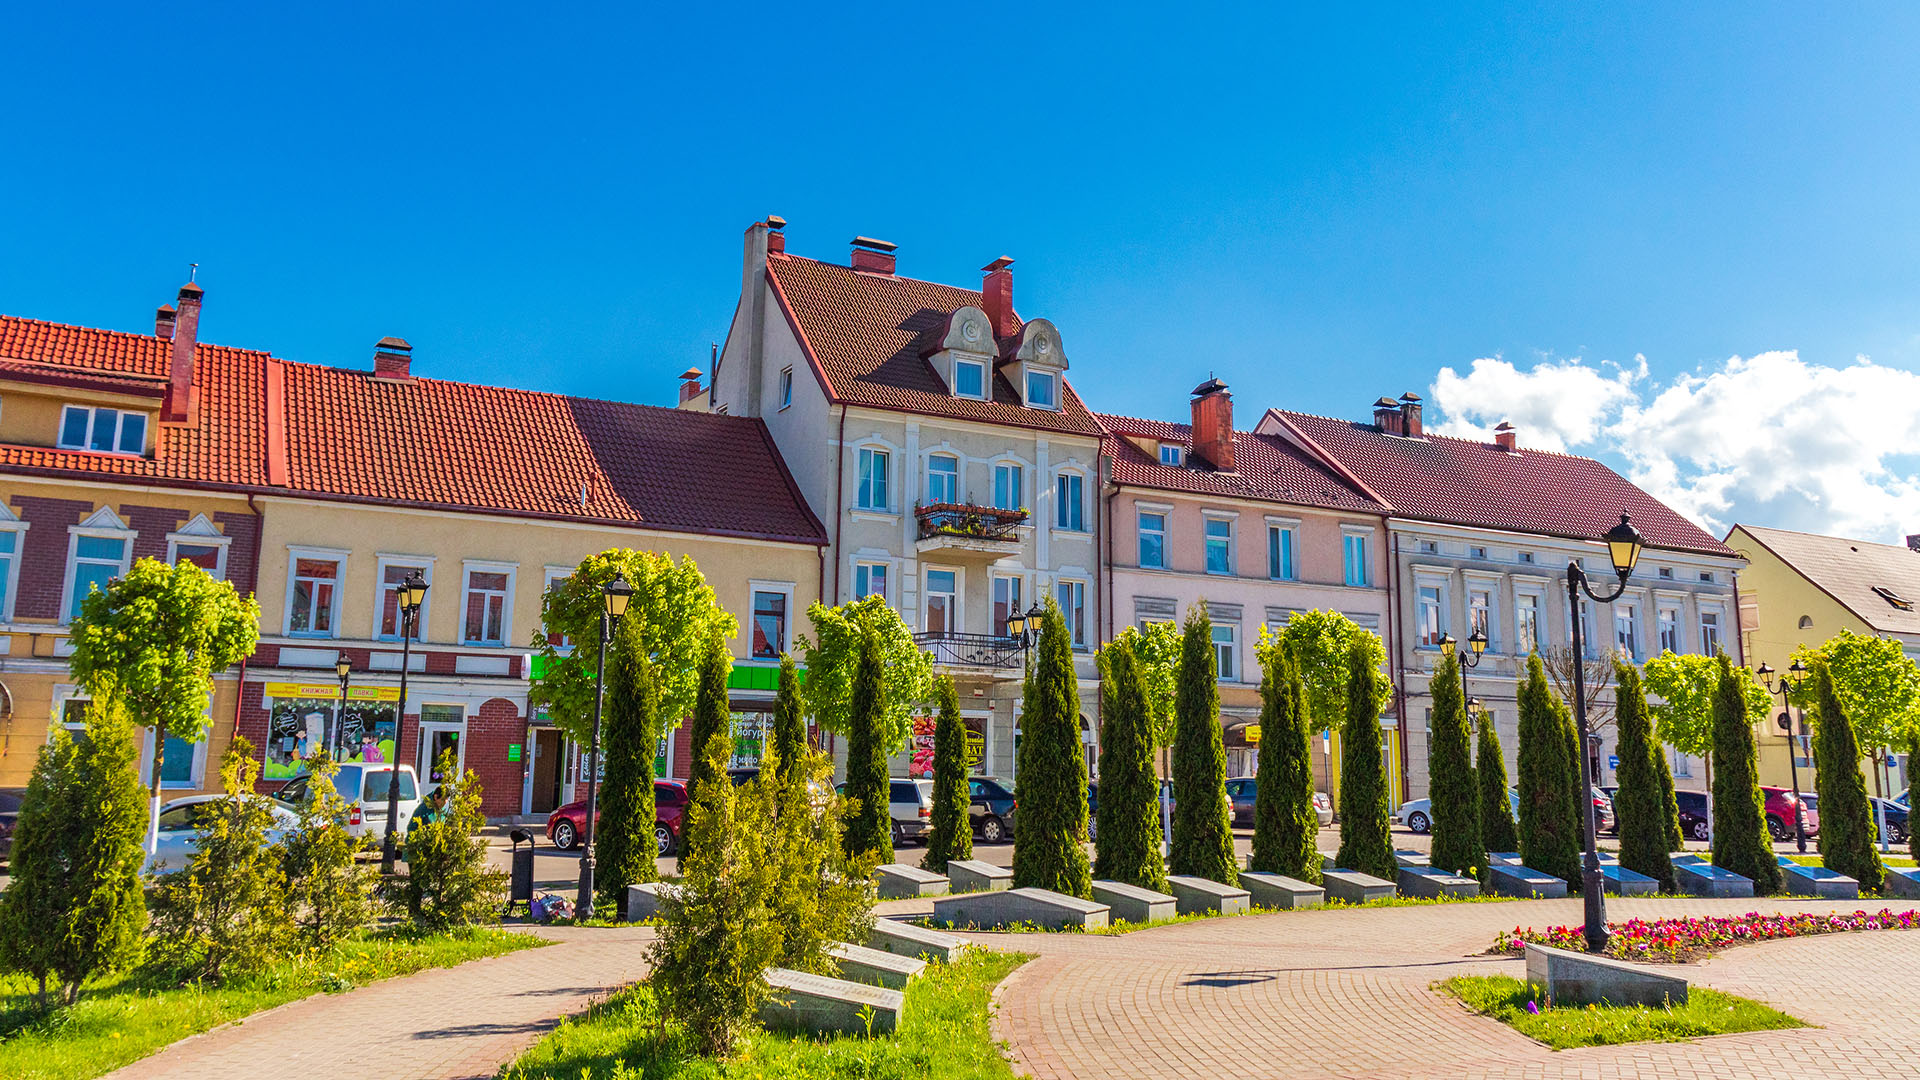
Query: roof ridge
pixel 135 334
pixel 346 372
pixel 868 275
pixel 1818 536
pixel 1424 436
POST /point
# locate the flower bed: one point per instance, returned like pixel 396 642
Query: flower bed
pixel 1675 941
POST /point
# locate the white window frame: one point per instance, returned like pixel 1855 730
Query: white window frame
pixel 953 496
pixel 422 740
pixel 1209 519
pixel 1429 637
pixel 977 365
pixel 1626 616
pixel 1053 380
pixel 785 387
pixel 1232 651
pixel 470 567
pixel 197 772
pixel 1480 615
pixel 96 528
pixel 1077 480
pixel 1525 628
pixel 1017 595
pixel 885 458
pixel 337 556
pixel 1173 455
pixel 382 560
pixel 1717 614
pixel 782 588
pixel 93 418
pixel 1349 534
pixel 1140 515
pixel 955 622
pixel 1019 471
pixel 192 535
pixel 1668 629
pixel 11 524
pixel 1076 631
pixel 548 575
pixel 1289 569
pixel 870 565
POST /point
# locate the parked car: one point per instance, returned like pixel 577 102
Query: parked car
pixel 1896 820
pixel 1781 805
pixel 183 823
pixel 1695 824
pixel 9 814
pixel 365 786
pixel 990 808
pixel 1243 790
pixel 565 825
pixel 1417 815
pixel 910 805
pixel 1323 808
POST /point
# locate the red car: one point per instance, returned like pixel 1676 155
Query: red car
pixel 669 808
pixel 1780 807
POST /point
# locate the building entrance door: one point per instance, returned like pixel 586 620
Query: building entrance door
pixel 544 794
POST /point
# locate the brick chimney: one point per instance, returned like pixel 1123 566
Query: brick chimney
pixel 776 235
pixel 1213 424
pixel 996 297
pixel 1410 425
pixel 392 359
pixel 1506 437
pixel 163 320
pixel 874 256
pixel 689 385
pixel 177 407
pixel 1913 541
pixel 1386 416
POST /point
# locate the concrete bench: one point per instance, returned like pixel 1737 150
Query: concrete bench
pixel 1817 881
pixel 857 963
pixel 1434 884
pixel 1577 978
pixel 911 939
pixel 1198 895
pixel 1041 907
pixel 1418 860
pixel 1697 877
pixel 818 1004
pixel 1512 879
pixel 1131 903
pixel 1903 882
pixel 1280 891
pixel 1504 858
pixel 643 901
pixel 1353 887
pixel 1620 881
pixel 898 881
pixel 969 875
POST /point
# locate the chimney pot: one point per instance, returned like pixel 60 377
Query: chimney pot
pixel 689 384
pixel 392 359
pixel 1913 541
pixel 1410 424
pixel 874 256
pixel 177 406
pixel 1506 437
pixel 996 297
pixel 1213 424
pixel 1387 416
pixel 163 322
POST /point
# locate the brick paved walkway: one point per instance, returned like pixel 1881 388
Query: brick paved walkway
pixel 458 1023
pixel 1345 994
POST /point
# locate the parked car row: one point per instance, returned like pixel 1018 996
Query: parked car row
pixel 1417 815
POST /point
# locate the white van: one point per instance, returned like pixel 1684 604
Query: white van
pixel 364 785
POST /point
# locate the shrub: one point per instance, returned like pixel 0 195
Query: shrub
pixel 789 718
pixel 1740 840
pixel 717 936
pixel 329 891
pixel 225 914
pixel 1452 794
pixel 712 715
pixel 820 897
pixel 1202 821
pixel 1365 844
pixel 624 848
pixel 1128 850
pixel 73 910
pixel 1549 840
pixel 1286 830
pixel 1847 826
pixel 448 882
pixel 1638 805
pixel 952 835
pixel 1050 843
pixel 869 828
pixel 1490 772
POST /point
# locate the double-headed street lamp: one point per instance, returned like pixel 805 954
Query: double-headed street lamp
pixel 1025 629
pixel 1624 544
pixel 342 667
pixel 615 595
pixel 1785 685
pixel 410 594
pixel 1476 647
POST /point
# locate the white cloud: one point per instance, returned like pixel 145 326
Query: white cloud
pixel 1768 439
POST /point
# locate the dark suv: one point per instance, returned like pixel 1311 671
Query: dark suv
pixel 990 809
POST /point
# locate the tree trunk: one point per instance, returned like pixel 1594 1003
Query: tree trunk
pixel 153 799
pixel 1708 758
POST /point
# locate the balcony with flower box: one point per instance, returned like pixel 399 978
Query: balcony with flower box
pixel 963 528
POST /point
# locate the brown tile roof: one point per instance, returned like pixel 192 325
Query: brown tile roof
pixel 1849 571
pixel 1268 468
pixel 1463 482
pixel 867 332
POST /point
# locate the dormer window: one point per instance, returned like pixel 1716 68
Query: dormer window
pixel 1042 390
pixel 1173 455
pixel 969 379
pixel 111 431
pixel 1893 598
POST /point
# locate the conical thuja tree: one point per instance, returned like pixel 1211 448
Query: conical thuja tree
pixel 1490 772
pixel 790 744
pixel 1549 841
pixel 1050 841
pixel 1129 846
pixel 623 842
pixel 951 835
pixel 1454 797
pixel 1202 823
pixel 1365 844
pixel 1285 827
pixel 1740 841
pixel 1639 806
pixel 1846 816
pixel 869 833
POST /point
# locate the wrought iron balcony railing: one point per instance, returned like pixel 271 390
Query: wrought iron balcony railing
pixel 968 522
pixel 971 650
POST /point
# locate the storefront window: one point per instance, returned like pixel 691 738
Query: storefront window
pixel 303 718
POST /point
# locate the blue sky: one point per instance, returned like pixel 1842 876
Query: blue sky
pixel 1602 206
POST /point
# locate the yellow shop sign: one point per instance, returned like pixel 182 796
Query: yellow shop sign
pixel 331 691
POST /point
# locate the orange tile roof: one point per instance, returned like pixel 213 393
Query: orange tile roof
pixel 867 333
pixel 1267 468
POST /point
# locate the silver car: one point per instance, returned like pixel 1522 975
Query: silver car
pixel 1417 815
pixel 183 824
pixel 910 805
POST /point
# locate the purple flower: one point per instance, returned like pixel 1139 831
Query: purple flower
pixel 1533 1008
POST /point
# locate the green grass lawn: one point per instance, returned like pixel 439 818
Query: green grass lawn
pixel 1707 1012
pixel 1903 861
pixel 943 1034
pixel 126 1018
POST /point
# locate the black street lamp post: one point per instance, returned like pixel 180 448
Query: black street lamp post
pixel 1025 629
pixel 410 593
pixel 1624 544
pixel 344 668
pixel 616 593
pixel 1785 685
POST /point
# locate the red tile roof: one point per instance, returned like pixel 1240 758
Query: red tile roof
pixel 867 332
pixel 1268 468
pixel 424 442
pixel 1462 482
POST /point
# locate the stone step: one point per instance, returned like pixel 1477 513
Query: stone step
pixel 1433 884
pixel 1131 903
pixel 1504 858
pixel 1040 907
pixel 1198 895
pixel 911 939
pixel 1697 877
pixel 1577 978
pixel 1512 879
pixel 1902 881
pixel 971 875
pixel 860 964
pixel 1817 881
pixel 898 881
pixel 1353 887
pixel 643 901
pixel 1280 891
pixel 816 1003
